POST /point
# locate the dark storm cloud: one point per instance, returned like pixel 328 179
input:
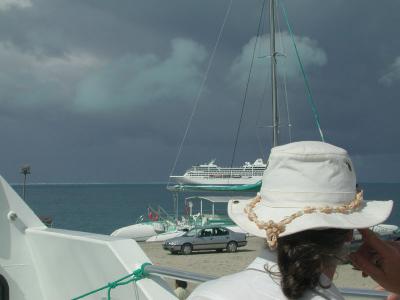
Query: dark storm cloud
pixel 392 74
pixel 143 80
pixel 103 90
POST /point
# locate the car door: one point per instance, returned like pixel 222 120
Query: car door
pixel 198 240
pixel 221 237
pixel 204 239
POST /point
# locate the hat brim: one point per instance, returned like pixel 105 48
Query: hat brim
pixel 370 213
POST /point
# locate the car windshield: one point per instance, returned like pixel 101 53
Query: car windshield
pixel 191 232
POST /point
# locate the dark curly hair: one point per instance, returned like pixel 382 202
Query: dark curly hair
pixel 303 256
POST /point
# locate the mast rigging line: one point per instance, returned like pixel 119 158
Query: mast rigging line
pixel 261 106
pixel 284 83
pixel 200 91
pixel 274 87
pixel 308 88
pixel 247 85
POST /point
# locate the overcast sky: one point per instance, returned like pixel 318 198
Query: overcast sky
pixel 102 91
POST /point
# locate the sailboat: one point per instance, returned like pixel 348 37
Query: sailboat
pixel 247 178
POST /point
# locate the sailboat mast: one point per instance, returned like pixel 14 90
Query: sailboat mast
pixel 275 116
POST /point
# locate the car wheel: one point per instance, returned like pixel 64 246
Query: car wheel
pixel 186 249
pixel 231 247
pixel 174 252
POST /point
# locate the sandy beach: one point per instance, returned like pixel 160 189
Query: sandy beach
pixel 219 264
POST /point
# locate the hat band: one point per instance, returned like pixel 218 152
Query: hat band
pixel 299 204
pixel 273 229
pixel 282 199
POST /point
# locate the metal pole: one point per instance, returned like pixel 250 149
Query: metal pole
pixel 177 208
pixel 177 274
pixel 275 117
pixel 195 277
pixel 25 170
pixel 23 187
pixel 364 293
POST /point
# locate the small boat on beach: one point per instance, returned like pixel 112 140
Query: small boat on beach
pixel 155 223
pixel 384 231
pixel 141 231
pixel 166 236
pixel 152 231
pixel 164 226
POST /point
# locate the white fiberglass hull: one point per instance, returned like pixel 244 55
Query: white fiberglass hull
pixel 385 229
pixel 216 181
pixel 165 236
pixel 138 232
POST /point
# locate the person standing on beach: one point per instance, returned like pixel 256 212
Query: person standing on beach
pixel 307 209
pixel 180 289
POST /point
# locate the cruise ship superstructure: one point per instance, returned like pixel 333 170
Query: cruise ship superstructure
pixel 212 174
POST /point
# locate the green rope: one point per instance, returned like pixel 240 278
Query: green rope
pixel 133 277
pixel 310 97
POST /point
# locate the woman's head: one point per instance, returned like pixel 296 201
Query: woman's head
pixel 304 256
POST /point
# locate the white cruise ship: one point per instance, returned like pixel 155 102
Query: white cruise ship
pixel 212 174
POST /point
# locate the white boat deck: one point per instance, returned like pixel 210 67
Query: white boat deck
pixel 49 264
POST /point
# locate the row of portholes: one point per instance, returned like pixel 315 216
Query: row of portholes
pixel 4 290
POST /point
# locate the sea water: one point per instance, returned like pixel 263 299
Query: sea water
pixel 103 208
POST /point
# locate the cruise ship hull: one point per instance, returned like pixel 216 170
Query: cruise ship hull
pixel 216 181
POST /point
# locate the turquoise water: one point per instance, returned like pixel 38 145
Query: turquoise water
pixel 102 208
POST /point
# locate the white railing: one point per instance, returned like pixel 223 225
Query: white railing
pixel 196 277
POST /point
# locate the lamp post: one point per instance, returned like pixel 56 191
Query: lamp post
pixel 25 170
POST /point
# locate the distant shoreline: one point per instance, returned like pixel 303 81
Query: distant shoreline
pixel 139 183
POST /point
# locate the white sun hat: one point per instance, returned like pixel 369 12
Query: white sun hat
pixel 307 185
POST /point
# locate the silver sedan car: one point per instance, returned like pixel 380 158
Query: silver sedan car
pixel 206 238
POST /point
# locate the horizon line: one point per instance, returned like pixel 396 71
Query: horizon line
pixel 148 182
pixel 89 183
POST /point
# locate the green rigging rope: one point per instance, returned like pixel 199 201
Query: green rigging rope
pixel 310 97
pixel 135 276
